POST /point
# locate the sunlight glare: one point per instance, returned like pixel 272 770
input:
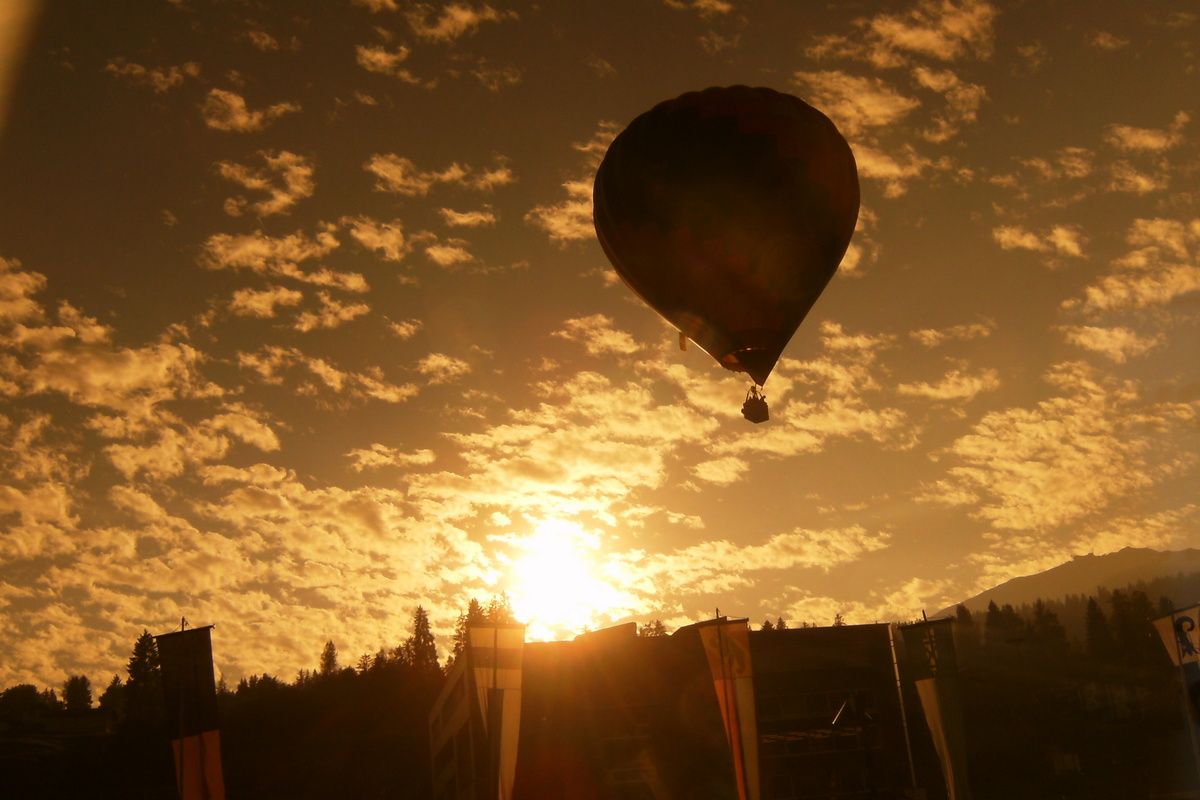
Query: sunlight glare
pixel 557 584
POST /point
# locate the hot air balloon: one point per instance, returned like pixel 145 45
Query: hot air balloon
pixel 728 210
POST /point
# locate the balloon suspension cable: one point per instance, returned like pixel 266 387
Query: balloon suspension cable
pixel 755 407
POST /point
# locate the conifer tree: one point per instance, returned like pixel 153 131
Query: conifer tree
pixel 768 625
pixel 421 648
pixel 329 659
pixel 112 699
pixel 143 690
pixel 77 693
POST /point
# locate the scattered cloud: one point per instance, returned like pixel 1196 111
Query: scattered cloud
pixel 467 219
pixel 441 368
pixel 286 178
pixel 1019 467
pixel 262 303
pixel 598 336
pixel 377 58
pixel 1151 140
pixel 401 176
pixel 315 377
pixel 280 256
pixel 955 385
pixel 1117 344
pixel 855 103
pixel 227 111
pixel 1103 40
pixel 942 30
pixel 1065 240
pixel 378 455
pixel 332 314
pixel 160 79
pixel 1159 268
pixel 570 219
pixel 933 337
pixel 705 8
pixel 449 253
pixel 385 238
pixel 405 328
pixel 453 21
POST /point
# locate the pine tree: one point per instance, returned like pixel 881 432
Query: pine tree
pixel 112 699
pixel 472 616
pixel 421 648
pixel 77 693
pixel 329 659
pixel 767 625
pixel 781 624
pixel 143 690
pixel 499 610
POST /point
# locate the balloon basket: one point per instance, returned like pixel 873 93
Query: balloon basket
pixel 755 407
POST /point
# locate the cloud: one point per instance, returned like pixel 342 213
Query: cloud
pixel 1103 40
pixel 705 8
pixel 375 6
pixel 405 329
pixel 1159 268
pixel 467 219
pixel 385 238
pixel 495 78
pixel 226 111
pixel 376 58
pixel 1063 240
pixel 261 40
pixel 272 363
pixel 281 256
pixel 1124 177
pixel 721 471
pixel 454 20
pixel 954 385
pixel 1118 343
pixel 598 336
pixel 261 303
pixel 379 455
pixel 1147 140
pixel 895 172
pixel 160 79
pixel 570 219
pixel 332 314
pixel 962 102
pixel 17 290
pixel 441 368
pixel 286 178
pixel 933 337
pixel 400 175
pixel 449 253
pixel 1019 468
pixel 942 30
pixel 855 103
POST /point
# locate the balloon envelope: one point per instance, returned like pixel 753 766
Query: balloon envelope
pixel 728 210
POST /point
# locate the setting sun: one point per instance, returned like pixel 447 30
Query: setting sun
pixel 558 584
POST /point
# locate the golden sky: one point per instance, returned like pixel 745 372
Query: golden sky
pixel 303 321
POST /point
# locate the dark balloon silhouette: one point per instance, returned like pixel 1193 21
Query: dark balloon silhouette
pixel 728 210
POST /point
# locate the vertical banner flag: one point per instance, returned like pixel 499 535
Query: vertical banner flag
pixel 1180 636
pixel 727 645
pixel 934 668
pixel 191 703
pixel 496 661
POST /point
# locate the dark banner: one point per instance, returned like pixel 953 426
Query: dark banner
pixel 191 703
pixel 933 667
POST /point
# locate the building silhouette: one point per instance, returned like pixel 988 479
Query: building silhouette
pixel 614 716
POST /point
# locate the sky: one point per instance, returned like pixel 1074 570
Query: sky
pixel 303 320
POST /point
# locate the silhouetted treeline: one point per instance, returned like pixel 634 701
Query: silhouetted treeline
pixel 356 729
pixel 1086 709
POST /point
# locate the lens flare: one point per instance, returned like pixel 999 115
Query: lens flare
pixel 558 584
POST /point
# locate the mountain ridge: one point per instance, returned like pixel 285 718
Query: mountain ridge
pixel 1085 574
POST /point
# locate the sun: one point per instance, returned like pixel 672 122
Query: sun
pixel 558 584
